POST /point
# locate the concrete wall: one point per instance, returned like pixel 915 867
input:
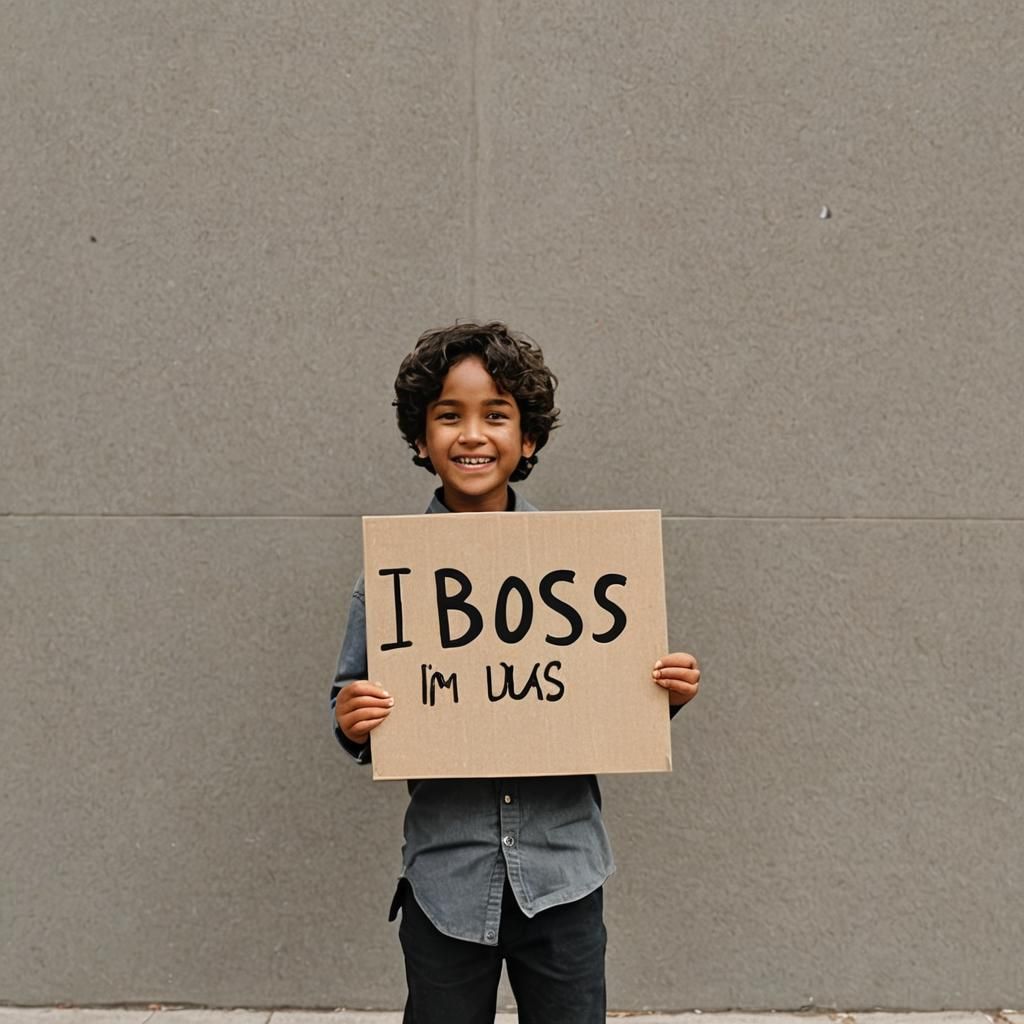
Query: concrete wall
pixel 224 224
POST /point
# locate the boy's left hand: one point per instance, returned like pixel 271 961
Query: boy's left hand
pixel 679 674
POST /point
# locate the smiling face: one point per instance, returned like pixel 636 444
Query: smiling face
pixel 474 439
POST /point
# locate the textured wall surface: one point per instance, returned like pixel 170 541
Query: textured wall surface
pixel 224 225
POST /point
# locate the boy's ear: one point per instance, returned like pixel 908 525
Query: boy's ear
pixel 529 447
pixel 421 447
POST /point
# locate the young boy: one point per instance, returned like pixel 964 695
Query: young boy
pixel 493 869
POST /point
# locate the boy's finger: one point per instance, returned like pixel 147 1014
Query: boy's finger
pixel 364 688
pixel 353 718
pixel 372 711
pixel 687 675
pixel 362 729
pixel 678 660
pixel 677 685
pixel 367 702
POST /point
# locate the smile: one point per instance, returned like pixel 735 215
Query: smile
pixel 473 460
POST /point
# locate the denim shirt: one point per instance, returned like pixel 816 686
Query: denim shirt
pixel 464 837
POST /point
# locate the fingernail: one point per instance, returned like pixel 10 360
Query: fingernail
pixel 391 700
pixel 386 694
pixel 657 664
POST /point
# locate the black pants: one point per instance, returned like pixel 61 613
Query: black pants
pixel 555 965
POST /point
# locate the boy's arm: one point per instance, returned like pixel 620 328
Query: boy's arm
pixel 351 668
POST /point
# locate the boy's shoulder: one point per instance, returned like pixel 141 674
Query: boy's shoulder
pixel 521 504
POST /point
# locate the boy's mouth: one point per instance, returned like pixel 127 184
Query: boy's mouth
pixel 473 460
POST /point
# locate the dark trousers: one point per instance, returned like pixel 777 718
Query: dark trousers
pixel 555 964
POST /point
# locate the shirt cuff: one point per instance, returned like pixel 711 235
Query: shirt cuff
pixel 359 751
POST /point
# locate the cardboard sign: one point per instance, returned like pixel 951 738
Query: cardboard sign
pixel 517 643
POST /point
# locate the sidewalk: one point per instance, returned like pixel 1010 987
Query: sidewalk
pixel 54 1015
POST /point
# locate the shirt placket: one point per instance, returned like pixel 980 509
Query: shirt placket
pixel 510 816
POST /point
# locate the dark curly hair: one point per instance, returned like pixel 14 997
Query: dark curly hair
pixel 515 363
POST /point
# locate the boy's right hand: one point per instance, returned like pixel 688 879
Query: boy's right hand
pixel 360 708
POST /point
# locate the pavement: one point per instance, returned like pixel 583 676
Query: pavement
pixel 171 1015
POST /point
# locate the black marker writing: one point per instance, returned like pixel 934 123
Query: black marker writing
pixel 507 685
pixel 456 602
pixel 611 579
pixel 438 681
pixel 556 604
pixel 501 627
pixel 399 640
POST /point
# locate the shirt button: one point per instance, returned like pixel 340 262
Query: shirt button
pixel 508 799
pixel 489 936
pixel 509 840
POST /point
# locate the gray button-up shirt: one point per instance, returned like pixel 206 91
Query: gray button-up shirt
pixel 463 837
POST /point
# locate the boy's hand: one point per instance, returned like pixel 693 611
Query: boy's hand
pixel 360 708
pixel 680 675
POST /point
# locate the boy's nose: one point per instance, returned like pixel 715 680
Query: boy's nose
pixel 471 431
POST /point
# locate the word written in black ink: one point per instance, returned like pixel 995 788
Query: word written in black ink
pixel 511 624
pixel 438 681
pixel 532 685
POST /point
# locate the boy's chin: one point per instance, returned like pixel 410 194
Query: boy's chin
pixel 473 483
pixel 474 492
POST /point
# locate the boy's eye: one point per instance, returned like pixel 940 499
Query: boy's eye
pixel 452 416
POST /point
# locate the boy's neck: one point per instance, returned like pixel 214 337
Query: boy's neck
pixel 509 506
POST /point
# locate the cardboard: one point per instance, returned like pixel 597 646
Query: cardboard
pixel 482 691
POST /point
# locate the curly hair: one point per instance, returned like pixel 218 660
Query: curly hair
pixel 515 363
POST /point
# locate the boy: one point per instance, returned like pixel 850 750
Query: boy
pixel 493 869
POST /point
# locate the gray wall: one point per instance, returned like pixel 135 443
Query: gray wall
pixel 223 225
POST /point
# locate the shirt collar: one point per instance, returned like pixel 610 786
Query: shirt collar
pixel 519 503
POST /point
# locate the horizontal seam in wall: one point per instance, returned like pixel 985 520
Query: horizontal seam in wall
pixel 668 517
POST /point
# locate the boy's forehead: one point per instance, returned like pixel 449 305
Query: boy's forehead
pixel 470 378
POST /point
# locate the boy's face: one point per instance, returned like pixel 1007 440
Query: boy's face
pixel 474 439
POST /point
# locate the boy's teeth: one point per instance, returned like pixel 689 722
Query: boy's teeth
pixel 466 460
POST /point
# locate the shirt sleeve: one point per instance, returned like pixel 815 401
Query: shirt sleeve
pixel 352 666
